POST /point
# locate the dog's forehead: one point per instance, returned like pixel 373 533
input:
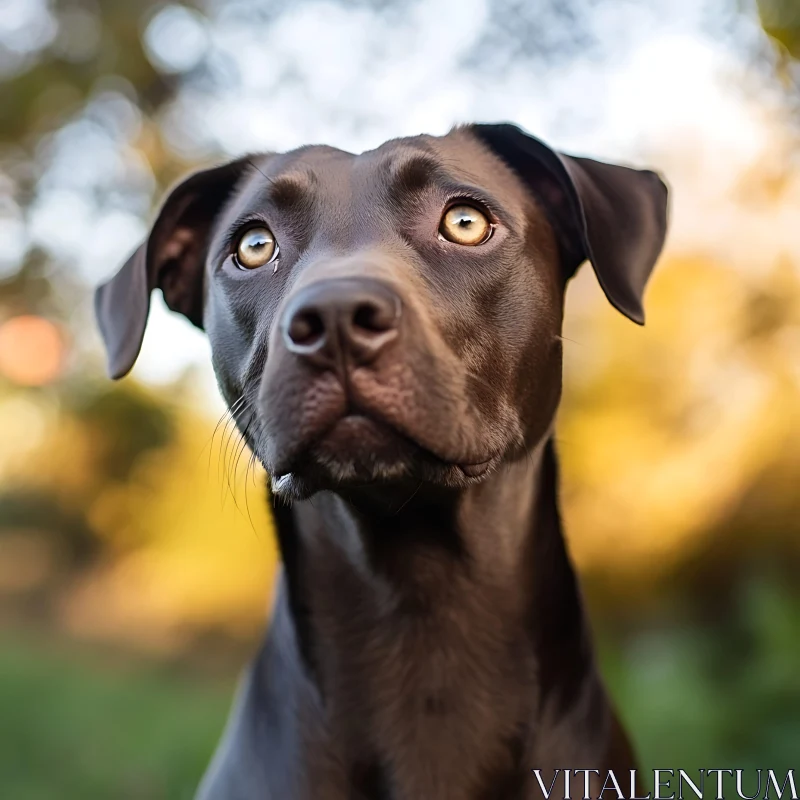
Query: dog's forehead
pixel 458 153
pixel 321 169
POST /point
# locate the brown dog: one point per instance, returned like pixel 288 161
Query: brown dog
pixel 386 330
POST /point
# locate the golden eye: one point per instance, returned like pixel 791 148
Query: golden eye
pixel 464 224
pixel 256 248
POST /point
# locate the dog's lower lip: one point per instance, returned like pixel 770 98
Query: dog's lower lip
pixel 283 477
pixel 280 482
pixel 475 470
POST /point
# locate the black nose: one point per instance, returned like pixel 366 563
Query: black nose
pixel 342 320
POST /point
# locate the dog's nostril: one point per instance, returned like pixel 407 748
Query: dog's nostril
pixel 343 320
pixel 374 318
pixel 306 328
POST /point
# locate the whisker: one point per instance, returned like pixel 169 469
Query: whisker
pixel 228 413
pixel 250 162
pixel 210 443
pixel 237 452
pixel 250 462
pixel 410 498
pixel 241 450
pixel 225 443
pixel 572 341
pixel 227 435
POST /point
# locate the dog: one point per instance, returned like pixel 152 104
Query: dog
pixel 385 329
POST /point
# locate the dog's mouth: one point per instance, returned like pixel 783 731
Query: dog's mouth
pixel 408 419
pixel 360 448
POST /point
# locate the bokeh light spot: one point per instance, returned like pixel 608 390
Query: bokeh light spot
pixel 176 40
pixel 31 350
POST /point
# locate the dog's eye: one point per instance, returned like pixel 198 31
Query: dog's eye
pixel 465 224
pixel 256 248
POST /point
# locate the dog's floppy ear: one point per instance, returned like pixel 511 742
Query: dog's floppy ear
pixel 171 259
pixel 613 216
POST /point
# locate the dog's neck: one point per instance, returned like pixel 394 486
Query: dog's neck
pixel 446 622
pixel 418 546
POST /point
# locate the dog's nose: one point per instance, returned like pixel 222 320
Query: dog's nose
pixel 342 320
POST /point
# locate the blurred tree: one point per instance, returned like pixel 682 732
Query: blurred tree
pixel 781 21
pixel 105 102
pixel 124 422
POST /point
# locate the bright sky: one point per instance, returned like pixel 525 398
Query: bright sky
pixel 666 94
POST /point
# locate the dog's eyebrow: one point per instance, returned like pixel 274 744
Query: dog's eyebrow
pixel 291 189
pixel 413 172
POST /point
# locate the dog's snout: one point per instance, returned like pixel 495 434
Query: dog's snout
pixel 344 320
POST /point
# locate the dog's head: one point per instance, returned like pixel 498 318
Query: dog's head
pixel 392 316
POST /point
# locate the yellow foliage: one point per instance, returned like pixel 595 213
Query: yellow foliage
pixel 209 556
pixel 661 440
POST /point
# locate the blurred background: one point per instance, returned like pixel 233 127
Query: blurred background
pixel 136 552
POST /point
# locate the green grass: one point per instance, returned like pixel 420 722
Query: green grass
pixel 71 727
pixel 722 695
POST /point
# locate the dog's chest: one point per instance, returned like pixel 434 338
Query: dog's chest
pixel 436 705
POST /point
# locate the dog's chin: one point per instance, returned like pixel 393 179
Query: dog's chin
pixel 360 452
